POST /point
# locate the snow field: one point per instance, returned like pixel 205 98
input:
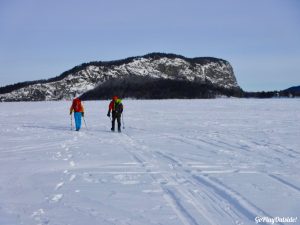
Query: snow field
pixel 222 161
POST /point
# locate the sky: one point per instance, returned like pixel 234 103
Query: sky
pixel 40 39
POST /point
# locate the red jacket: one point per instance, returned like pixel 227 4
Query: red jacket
pixel 76 106
pixel 112 106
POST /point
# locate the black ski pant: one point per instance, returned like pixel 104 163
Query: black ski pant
pixel 115 117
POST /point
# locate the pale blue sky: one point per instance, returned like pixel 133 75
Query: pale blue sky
pixel 260 38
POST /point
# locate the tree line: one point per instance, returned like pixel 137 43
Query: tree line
pixel 157 88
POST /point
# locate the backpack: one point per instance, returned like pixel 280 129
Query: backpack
pixel 118 106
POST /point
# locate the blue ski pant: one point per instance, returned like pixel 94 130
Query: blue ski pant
pixel 77 117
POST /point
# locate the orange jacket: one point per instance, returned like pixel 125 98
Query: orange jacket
pixel 76 106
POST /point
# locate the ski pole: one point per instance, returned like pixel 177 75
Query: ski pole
pixel 71 122
pixel 123 121
pixel 85 123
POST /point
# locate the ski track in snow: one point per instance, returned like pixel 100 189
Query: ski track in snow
pixel 164 168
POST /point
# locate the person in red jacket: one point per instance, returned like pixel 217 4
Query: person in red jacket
pixel 116 108
pixel 78 110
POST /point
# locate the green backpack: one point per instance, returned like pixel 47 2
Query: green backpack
pixel 118 106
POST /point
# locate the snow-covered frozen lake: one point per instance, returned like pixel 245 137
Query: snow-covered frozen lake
pixel 205 162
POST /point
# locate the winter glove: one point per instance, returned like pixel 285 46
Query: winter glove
pixel 108 114
pixel 70 112
pixel 82 114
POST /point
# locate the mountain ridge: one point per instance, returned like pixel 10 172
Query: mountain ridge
pixel 8 88
pixel 84 77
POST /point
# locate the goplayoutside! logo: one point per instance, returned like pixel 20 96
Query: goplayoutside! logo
pixel 277 219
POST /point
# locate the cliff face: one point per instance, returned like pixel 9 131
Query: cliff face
pixel 217 73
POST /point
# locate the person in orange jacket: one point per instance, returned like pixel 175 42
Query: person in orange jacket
pixel 78 109
pixel 116 108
